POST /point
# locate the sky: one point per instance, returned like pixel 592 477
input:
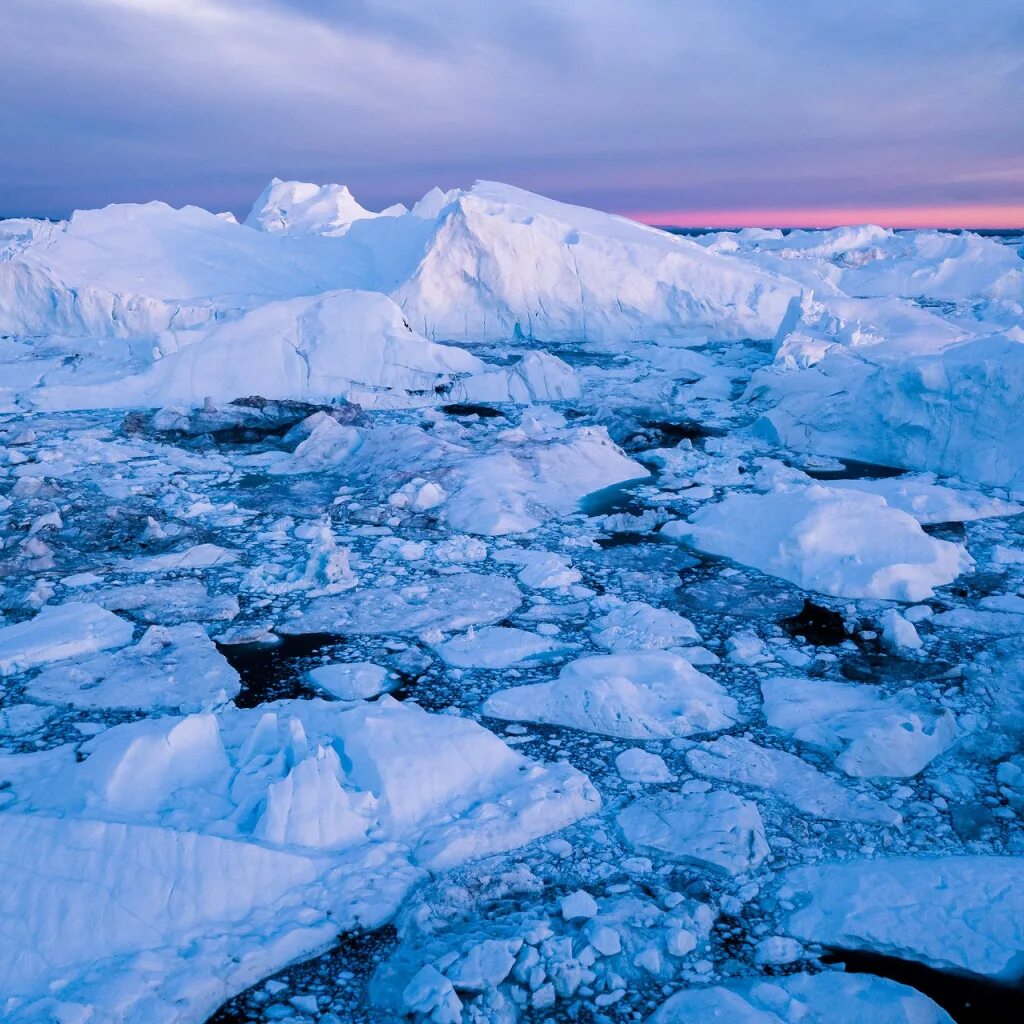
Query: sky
pixel 691 112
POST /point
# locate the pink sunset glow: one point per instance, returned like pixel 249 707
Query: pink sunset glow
pixel 978 215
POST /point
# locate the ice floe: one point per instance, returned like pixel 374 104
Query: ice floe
pixel 960 913
pixel 171 666
pixel 803 999
pixel 844 543
pixel 786 777
pixel 206 825
pixel 711 828
pixel 654 695
pixel 60 632
pixel 871 735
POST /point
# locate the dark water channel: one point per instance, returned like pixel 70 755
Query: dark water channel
pixel 277 671
pixel 967 998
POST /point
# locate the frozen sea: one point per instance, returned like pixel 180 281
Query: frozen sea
pixel 662 660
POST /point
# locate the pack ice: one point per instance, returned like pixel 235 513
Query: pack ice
pixel 490 610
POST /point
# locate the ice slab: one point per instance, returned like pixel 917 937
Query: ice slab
pixel 59 632
pixel 787 778
pixel 843 543
pixel 497 647
pixel 358 680
pixel 654 695
pixel 170 667
pixel 871 735
pixel 713 829
pixel 953 913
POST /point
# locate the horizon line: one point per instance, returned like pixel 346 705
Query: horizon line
pixel 983 216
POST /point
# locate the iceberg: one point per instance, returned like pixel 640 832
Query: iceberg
pixel 846 543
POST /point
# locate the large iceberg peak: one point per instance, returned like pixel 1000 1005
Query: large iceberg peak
pixel 302 208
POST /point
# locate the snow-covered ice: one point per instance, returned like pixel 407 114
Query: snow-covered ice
pixel 803 999
pixel 171 666
pixel 500 647
pixel 712 828
pixel 351 680
pixel 262 799
pixel 872 735
pixel 733 759
pixel 60 632
pixel 844 543
pixel 960 912
pixel 640 696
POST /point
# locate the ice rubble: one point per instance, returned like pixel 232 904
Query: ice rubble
pixel 828 998
pixel 445 971
pixel 654 695
pixel 542 469
pixel 199 823
pixel 842 542
pixel 963 912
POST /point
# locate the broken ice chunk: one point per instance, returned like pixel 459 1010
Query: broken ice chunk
pixel 655 695
pixel 170 667
pixel 497 647
pixel 843 543
pixel 870 734
pixel 356 680
pixel 59 632
pixel 714 829
pixel 788 778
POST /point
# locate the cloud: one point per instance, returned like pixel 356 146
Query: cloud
pixel 647 105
